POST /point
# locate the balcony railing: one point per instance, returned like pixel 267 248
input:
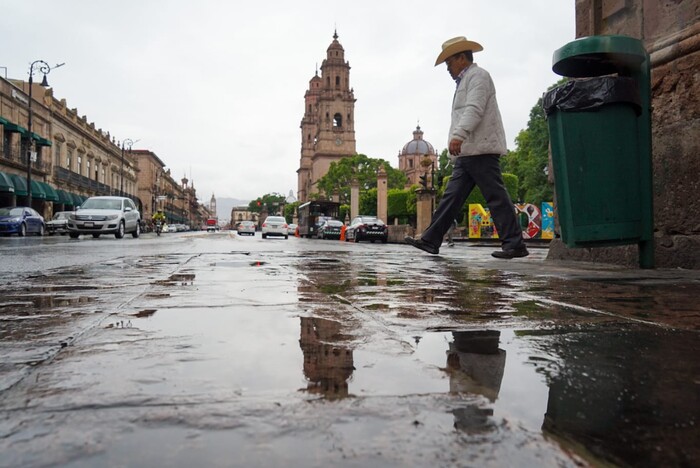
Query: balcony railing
pixel 14 157
pixel 63 175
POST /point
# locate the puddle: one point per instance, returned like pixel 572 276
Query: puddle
pixel 314 361
pixel 177 279
pixel 145 313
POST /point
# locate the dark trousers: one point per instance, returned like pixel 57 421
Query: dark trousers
pixel 483 171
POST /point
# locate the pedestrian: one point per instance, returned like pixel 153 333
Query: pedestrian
pixel 476 142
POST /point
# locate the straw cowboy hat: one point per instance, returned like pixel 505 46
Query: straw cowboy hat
pixel 455 46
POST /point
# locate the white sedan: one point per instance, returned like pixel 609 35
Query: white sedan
pixel 246 227
pixel 275 226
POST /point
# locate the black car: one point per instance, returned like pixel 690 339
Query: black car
pixel 330 229
pixel 368 228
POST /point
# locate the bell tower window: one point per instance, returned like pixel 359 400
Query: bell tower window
pixel 338 120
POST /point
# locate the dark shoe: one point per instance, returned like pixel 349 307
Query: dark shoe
pixel 421 244
pixel 511 253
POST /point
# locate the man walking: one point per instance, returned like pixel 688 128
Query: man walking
pixel 476 142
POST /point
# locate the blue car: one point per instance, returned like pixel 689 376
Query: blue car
pixel 21 220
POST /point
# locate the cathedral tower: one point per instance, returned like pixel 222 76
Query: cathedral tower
pixel 328 125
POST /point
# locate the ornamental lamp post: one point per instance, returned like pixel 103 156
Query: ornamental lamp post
pixel 128 142
pixel 43 67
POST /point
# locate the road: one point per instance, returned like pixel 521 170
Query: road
pixel 220 350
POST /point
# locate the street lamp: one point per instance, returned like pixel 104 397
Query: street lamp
pixel 43 67
pixel 130 143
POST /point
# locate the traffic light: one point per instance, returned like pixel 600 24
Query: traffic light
pixel 424 181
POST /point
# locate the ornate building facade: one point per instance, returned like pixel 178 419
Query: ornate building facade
pixel 416 158
pixel 328 124
pixel 74 159
pixel 160 191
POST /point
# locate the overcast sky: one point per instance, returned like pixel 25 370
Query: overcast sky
pixel 216 88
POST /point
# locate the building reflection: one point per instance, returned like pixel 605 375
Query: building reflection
pixel 475 364
pixel 328 365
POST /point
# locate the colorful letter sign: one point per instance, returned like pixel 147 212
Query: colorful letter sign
pixel 536 223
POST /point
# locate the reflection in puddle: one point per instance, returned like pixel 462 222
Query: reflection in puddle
pixel 327 365
pixel 145 313
pixel 178 279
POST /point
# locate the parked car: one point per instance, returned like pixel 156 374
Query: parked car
pixel 368 228
pixel 105 215
pixel 246 227
pixel 275 226
pixel 292 229
pixel 57 224
pixel 330 229
pixel 21 220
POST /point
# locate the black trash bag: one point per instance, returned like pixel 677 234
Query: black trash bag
pixel 589 94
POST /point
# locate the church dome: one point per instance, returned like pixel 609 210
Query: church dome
pixel 418 145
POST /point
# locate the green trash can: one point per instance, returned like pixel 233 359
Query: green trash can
pixel 600 136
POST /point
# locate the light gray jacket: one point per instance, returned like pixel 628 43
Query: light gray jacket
pixel 475 116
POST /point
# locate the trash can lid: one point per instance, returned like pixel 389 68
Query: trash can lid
pixel 598 55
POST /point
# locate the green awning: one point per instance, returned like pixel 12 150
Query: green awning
pixel 10 127
pixel 40 141
pixel 6 184
pixel 38 192
pixel 4 122
pixel 64 197
pixel 77 199
pixel 20 184
pixel 51 194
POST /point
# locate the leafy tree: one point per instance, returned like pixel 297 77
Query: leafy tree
pixel 529 160
pixel 368 202
pixel 272 201
pixel 362 168
pixel 289 211
pixel 444 168
pixel 412 199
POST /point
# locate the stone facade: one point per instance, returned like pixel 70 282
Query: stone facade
pixel 77 160
pixel 72 154
pixel 671 34
pixel 160 191
pixel 327 128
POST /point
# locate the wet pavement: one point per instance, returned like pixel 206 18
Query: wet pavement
pixel 217 350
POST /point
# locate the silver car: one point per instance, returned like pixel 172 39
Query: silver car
pixel 246 227
pixel 105 215
pixel 58 223
pixel 275 226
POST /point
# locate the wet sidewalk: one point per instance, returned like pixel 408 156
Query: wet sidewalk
pixel 232 352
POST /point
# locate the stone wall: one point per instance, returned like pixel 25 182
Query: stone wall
pixel 670 31
pixel 397 232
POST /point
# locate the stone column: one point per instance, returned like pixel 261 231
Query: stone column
pixel 354 199
pixel 424 209
pixel 382 195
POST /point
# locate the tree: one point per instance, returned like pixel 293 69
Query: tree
pixel 272 201
pixel 289 211
pixel 444 168
pixel 530 158
pixel 368 202
pixel 362 168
